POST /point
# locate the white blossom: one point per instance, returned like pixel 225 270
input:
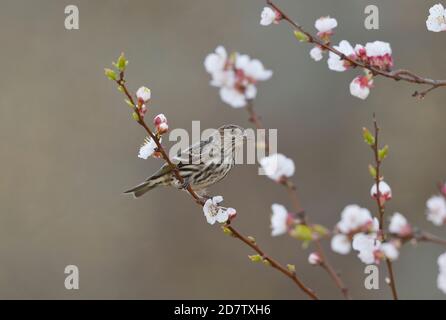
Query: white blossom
pixel 277 166
pixel 442 262
pixel 144 94
pixel 360 87
pixel 279 220
pixel 215 62
pixel 325 25
pixel 267 17
pixel 340 243
pixel 236 76
pixel 335 62
pixel 436 210
pixel 233 97
pixel 316 53
pixel 441 280
pixel 367 245
pixel 353 218
pixel 252 68
pixel 399 225
pixel 147 149
pixel 389 250
pixel 378 49
pixel 215 213
pixel 250 91
pixel 436 21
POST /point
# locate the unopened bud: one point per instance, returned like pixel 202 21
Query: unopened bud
pixel 314 258
pixel 255 258
pixel 143 94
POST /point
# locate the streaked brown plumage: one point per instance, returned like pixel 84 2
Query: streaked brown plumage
pixel 201 165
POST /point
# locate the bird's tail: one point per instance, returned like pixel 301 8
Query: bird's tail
pixel 160 178
pixel 142 188
pixel 146 186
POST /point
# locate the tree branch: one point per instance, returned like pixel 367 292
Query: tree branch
pixel 397 75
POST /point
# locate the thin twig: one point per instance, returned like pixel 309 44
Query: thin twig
pixel 325 264
pixel 380 204
pixel 272 262
pixel 428 237
pixel 397 75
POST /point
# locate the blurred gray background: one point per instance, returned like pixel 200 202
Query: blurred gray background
pixel 70 147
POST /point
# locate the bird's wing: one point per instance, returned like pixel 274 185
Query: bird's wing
pixel 198 152
pixel 165 169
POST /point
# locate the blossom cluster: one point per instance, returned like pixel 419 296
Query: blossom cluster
pixel 236 75
pixel 377 54
pixel 358 230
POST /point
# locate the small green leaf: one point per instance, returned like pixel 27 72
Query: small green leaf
pixel 368 137
pixel 266 262
pixel 302 232
pixel 382 153
pixel 252 239
pixel 110 74
pixel 255 258
pixel 135 116
pixel 130 104
pixel 302 37
pixel 227 231
pixel 372 171
pixel 291 267
pixel 121 63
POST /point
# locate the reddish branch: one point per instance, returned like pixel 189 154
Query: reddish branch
pixel 292 275
pixel 397 75
pixel 380 204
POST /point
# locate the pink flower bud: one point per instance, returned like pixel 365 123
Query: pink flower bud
pixel 162 128
pixel 314 258
pixel 142 110
pixel 161 118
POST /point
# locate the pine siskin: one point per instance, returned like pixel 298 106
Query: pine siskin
pixel 201 165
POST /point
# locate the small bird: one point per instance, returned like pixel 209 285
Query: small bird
pixel 201 165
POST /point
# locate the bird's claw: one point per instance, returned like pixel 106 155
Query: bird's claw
pixel 185 185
